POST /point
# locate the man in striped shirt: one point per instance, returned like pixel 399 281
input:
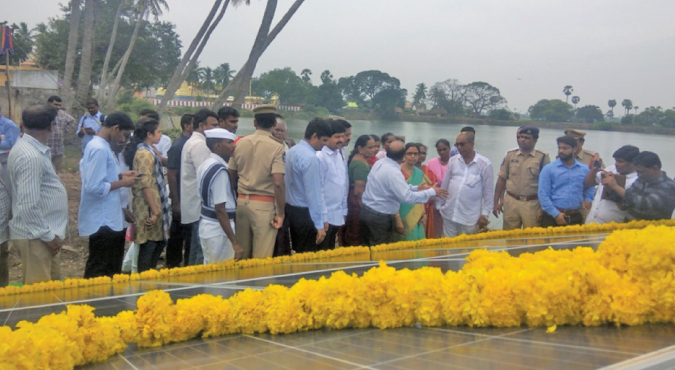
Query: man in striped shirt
pixel 39 199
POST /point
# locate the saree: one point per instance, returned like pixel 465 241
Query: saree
pixel 412 214
pixel 429 207
pixel 350 234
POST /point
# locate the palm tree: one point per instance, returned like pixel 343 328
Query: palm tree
pixel 567 90
pixel 143 9
pixel 194 50
pixel 420 94
pixel 575 100
pixel 610 114
pixel 84 77
pixel 208 82
pixel 635 108
pixel 612 104
pixel 305 74
pixel 627 104
pixel 196 76
pixel 71 50
pixel 223 75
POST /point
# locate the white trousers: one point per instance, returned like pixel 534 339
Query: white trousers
pixel 217 249
pixel 451 229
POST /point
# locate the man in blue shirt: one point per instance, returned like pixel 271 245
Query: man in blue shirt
pixel 304 198
pixel 101 216
pixel 386 189
pixel 335 183
pixel 90 124
pixel 9 134
pixel 561 187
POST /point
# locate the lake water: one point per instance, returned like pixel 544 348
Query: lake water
pixel 494 141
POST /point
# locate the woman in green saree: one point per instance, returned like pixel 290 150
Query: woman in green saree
pixel 413 216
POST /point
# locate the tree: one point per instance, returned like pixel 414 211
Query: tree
pixel 262 41
pixel 567 90
pixel 156 42
pixel 366 85
pixel 610 114
pixel 590 114
pixel 326 77
pixel 22 38
pixel 73 36
pixel 575 101
pixel 635 108
pixel 386 101
pixel 420 94
pixel 553 110
pixel 194 50
pixel 481 96
pixel 84 75
pixel 305 75
pixel 223 75
pixel 208 81
pixel 196 76
pixel 612 104
pixel 285 83
pixel 501 114
pixel 627 104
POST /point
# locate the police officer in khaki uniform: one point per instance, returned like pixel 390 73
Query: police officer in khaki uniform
pixel 258 166
pixel 518 180
pixel 584 156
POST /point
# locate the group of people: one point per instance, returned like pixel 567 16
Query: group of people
pixel 211 196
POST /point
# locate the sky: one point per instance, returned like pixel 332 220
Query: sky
pixel 529 49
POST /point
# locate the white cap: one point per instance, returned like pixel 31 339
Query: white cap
pixel 219 133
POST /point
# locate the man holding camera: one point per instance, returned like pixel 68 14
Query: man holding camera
pixel 561 187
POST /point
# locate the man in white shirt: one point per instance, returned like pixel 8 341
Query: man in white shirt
pixel 219 205
pixel 386 189
pixel 470 182
pixel 195 152
pixel 334 183
pixel 605 206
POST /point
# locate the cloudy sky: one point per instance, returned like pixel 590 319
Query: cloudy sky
pixel 529 49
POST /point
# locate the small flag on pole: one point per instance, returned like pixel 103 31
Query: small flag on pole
pixel 6 44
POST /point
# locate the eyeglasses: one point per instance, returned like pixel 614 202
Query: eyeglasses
pixel 461 145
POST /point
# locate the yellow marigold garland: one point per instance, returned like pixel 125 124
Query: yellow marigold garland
pixel 338 252
pixel 629 281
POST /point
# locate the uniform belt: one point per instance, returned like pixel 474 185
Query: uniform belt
pixel 523 197
pixel 260 198
pixel 211 214
pixel 569 211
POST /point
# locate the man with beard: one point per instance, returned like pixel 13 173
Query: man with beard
pixel 561 187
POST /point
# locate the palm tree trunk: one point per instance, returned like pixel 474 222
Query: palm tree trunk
pixel 179 74
pixel 71 51
pixel 263 40
pixel 113 37
pixel 125 58
pixel 84 78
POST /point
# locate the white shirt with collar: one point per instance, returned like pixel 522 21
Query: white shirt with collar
pixel 470 190
pixel 604 210
pixel 194 153
pixel 334 183
pixel 386 188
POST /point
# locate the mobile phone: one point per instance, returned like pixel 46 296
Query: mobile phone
pixel 597 164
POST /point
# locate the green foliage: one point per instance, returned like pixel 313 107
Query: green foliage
pixel 290 88
pixel 315 111
pixel 153 60
pixel 328 95
pixel 502 114
pixel 655 116
pixel 135 107
pixel 481 96
pixel 590 114
pixel 22 38
pixel 420 94
pixel 363 87
pixel 627 119
pixel 126 97
pixel 603 126
pixel 553 110
pixel 386 102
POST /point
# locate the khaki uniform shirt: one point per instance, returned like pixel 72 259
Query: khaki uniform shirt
pixel 586 155
pixel 521 171
pixel 256 158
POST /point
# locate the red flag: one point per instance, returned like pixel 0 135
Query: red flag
pixel 6 44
